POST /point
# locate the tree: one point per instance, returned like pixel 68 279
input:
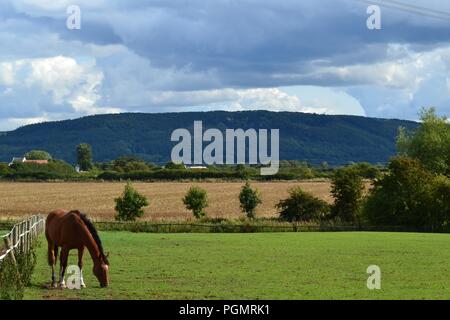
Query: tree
pixel 430 143
pixel 84 156
pixel 4 169
pixel 196 200
pixel 402 197
pixel 347 190
pixel 173 165
pixel 128 164
pixel 129 205
pixel 38 155
pixel 366 170
pixel 324 166
pixel 249 199
pixel 302 206
pixel 440 212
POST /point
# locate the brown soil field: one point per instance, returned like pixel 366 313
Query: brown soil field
pixel 97 199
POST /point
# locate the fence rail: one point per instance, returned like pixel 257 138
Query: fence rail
pixel 21 236
pixel 161 227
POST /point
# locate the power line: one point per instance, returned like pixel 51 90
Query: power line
pixel 397 5
pixel 438 12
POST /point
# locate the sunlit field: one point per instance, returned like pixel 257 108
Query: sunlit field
pixel 261 266
pixel 97 199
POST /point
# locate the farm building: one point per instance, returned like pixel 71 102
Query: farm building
pixel 24 160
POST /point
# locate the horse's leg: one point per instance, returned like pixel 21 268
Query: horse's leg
pixel 52 254
pixel 80 265
pixel 63 259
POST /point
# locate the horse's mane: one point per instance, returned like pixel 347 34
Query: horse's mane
pixel 94 234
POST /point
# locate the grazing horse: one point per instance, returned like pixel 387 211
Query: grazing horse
pixel 73 230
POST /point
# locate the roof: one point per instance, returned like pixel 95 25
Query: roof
pixel 37 161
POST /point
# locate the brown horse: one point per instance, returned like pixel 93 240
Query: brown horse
pixel 73 230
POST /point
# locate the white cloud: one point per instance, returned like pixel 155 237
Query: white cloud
pixel 400 88
pixel 193 55
pixel 62 79
pixel 13 123
pixel 272 99
pixel 6 74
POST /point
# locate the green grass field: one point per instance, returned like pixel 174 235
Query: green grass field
pixel 262 266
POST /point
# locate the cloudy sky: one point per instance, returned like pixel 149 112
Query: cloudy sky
pixel 185 55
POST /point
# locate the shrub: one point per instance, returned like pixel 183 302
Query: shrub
pixel 4 169
pixel 249 199
pixel 15 277
pixel 347 190
pixel 302 206
pixel 129 206
pixel 172 165
pixel 242 171
pixel 196 200
pixel 55 169
pixel 129 164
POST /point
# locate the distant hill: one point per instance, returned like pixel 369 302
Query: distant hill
pixel 311 137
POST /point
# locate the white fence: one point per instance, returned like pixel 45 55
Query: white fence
pixel 21 236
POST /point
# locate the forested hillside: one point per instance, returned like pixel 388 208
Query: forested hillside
pixel 314 138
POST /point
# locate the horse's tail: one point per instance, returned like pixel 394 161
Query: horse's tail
pixel 95 235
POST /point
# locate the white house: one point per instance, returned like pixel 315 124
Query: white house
pixel 17 160
pixel 24 160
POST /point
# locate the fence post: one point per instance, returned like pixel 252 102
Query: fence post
pixel 8 247
pixel 28 231
pixel 13 236
pixel 19 239
pixel 25 236
pixel 16 242
pixel 34 224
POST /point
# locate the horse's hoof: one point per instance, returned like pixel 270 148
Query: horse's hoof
pixel 54 285
pixel 62 285
pixel 83 285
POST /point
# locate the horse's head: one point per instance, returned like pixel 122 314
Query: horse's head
pixel 101 271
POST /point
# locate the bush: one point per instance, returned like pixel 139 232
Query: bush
pixel 129 164
pixel 129 206
pixel 4 169
pixel 196 200
pixel 55 169
pixel 15 277
pixel 302 206
pixel 249 199
pixel 347 190
pixel 172 165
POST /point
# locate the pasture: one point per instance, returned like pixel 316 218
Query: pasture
pixel 97 198
pixel 262 266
